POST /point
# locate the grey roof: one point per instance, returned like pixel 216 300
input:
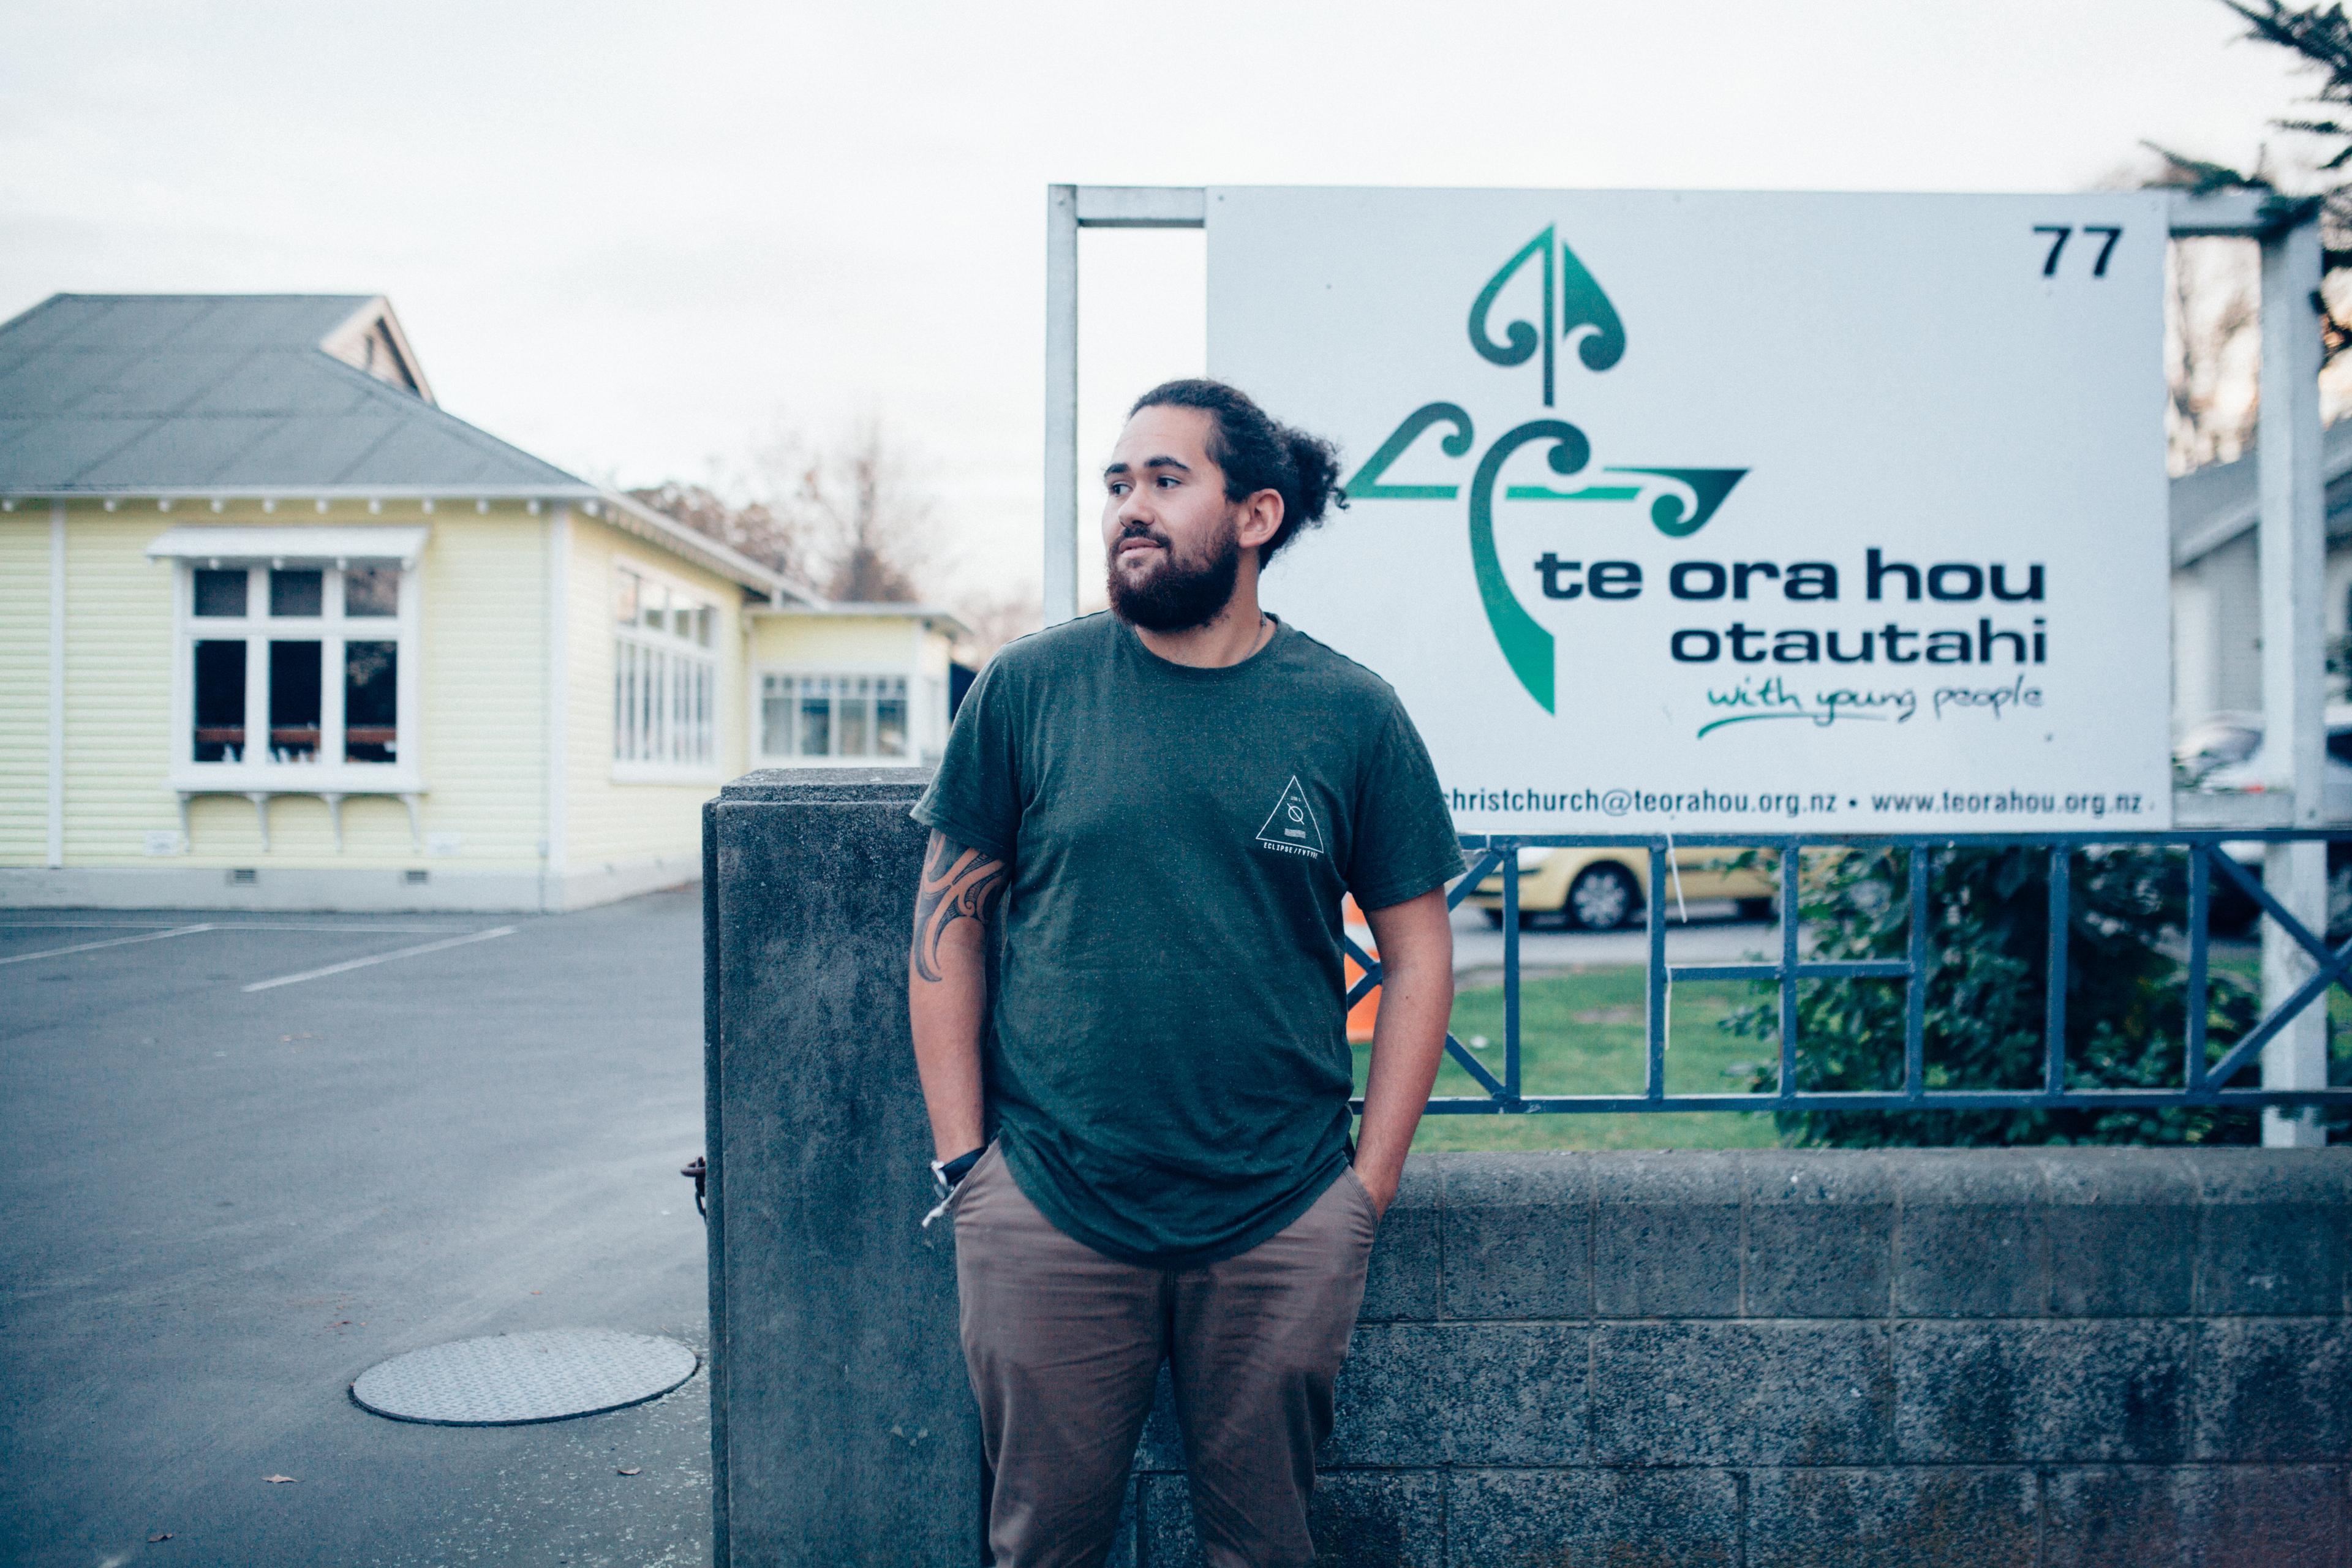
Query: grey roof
pixel 193 393
pixel 2215 504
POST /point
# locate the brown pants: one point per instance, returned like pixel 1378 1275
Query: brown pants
pixel 1064 1345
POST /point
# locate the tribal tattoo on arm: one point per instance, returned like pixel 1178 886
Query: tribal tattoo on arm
pixel 958 884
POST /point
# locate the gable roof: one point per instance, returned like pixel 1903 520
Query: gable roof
pixel 269 394
pixel 201 394
pixel 2215 504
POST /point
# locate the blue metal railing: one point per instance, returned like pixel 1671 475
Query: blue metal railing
pixel 2202 1084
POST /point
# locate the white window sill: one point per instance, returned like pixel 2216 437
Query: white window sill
pixel 666 773
pixel 285 778
pixel 263 782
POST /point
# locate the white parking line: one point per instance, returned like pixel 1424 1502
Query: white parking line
pixel 221 925
pixel 378 958
pixel 338 930
pixel 94 946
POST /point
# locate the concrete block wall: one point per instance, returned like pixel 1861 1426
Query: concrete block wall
pixel 2067 1357
pixel 1611 1361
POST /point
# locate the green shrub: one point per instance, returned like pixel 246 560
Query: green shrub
pixel 1988 945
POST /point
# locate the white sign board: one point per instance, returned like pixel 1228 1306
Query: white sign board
pixel 1719 511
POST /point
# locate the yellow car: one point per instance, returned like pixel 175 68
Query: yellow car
pixel 1600 890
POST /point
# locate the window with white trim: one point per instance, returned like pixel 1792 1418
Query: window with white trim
pixel 664 677
pixel 297 671
pixel 817 718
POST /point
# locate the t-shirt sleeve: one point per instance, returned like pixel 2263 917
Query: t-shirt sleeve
pixel 1404 843
pixel 975 796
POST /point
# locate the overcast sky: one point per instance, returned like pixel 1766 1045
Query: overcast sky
pixel 639 239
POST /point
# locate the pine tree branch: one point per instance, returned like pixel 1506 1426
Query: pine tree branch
pixel 2199 177
pixel 2323 37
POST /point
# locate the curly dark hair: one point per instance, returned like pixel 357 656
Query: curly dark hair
pixel 1257 453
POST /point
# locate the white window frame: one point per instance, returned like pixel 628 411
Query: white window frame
pixel 644 711
pixel 328 772
pixel 912 696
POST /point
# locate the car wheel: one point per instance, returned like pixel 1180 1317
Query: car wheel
pixel 1602 898
pixel 1755 909
pixel 1494 918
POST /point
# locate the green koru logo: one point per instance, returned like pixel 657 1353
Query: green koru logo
pixel 1575 309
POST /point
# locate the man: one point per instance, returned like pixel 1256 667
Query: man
pixel 1164 807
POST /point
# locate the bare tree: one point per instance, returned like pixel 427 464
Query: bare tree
pixel 855 518
pixel 861 505
pixel 753 529
pixel 2212 347
pixel 2212 315
pixel 994 616
pixel 2213 304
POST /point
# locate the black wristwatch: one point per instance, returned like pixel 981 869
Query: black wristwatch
pixel 948 1172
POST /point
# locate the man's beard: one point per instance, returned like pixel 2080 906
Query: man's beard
pixel 1181 595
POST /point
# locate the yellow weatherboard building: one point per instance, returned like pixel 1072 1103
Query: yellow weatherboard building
pixel 277 631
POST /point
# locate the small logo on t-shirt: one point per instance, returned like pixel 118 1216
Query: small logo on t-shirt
pixel 1291 827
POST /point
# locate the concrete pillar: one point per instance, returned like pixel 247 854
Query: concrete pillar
pixel 843 1430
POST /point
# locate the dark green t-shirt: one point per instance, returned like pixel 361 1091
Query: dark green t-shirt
pixel 1168 1068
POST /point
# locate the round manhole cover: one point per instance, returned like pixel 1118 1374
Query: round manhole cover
pixel 509 1380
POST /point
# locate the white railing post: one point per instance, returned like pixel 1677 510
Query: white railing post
pixel 2293 551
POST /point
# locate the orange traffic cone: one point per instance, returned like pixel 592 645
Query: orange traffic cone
pixel 1366 1012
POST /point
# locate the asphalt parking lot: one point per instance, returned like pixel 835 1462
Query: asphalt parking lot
pixel 243 1158
pixel 243 1162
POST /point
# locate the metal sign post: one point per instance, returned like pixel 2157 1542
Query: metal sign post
pixel 1069 208
pixel 2293 548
